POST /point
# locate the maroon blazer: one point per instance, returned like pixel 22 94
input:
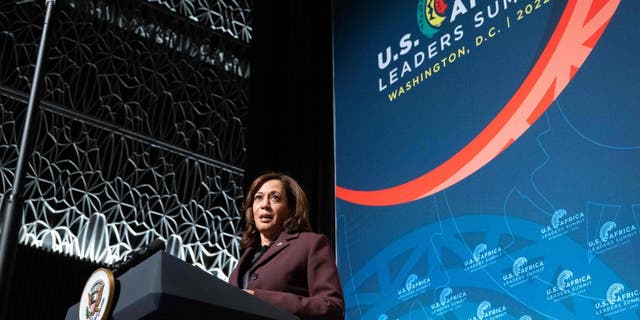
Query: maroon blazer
pixel 297 273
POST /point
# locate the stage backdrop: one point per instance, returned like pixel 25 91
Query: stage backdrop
pixel 488 158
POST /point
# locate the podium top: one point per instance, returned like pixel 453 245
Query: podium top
pixel 165 287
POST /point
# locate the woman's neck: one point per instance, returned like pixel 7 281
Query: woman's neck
pixel 265 240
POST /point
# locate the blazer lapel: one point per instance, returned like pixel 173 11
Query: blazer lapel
pixel 283 241
pixel 243 257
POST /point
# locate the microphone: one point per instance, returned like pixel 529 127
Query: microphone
pixel 136 257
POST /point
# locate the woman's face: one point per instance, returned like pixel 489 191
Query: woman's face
pixel 270 208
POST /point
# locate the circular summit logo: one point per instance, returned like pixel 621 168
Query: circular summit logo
pixel 563 278
pixel 478 251
pixel 483 307
pixel 444 295
pixel 613 292
pixel 97 296
pixel 556 219
pixel 606 229
pixel 518 264
pixel 430 16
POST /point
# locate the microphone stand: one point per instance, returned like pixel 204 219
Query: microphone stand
pixel 13 204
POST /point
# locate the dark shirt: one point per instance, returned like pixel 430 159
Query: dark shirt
pixel 249 263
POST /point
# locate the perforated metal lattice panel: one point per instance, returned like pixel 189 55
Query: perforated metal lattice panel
pixel 140 133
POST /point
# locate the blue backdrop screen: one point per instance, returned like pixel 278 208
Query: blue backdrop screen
pixel 487 158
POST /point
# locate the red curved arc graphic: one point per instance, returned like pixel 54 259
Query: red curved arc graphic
pixel 576 34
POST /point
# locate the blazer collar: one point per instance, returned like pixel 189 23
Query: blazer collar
pixel 282 241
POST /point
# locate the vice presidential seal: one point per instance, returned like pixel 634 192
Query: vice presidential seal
pixel 97 296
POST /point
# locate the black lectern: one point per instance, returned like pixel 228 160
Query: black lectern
pixel 165 287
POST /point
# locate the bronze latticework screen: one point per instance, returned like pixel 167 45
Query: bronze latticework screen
pixel 140 130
